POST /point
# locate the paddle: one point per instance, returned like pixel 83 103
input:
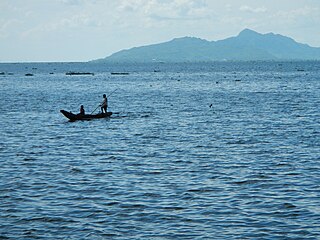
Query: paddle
pixel 107 97
pixel 95 109
pixel 112 92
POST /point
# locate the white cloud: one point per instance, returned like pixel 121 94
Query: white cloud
pixel 72 2
pixel 166 10
pixel 299 12
pixel 71 24
pixel 75 21
pixel 249 9
pixel 6 27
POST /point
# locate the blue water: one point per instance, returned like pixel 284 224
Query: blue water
pixel 166 165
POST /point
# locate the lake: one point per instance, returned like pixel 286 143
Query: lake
pixel 222 150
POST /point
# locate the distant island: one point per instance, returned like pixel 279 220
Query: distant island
pixel 247 46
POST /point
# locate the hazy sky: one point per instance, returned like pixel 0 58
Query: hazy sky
pixel 82 30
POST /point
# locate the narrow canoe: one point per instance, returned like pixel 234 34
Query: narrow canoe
pixel 74 117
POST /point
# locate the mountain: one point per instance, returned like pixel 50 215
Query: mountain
pixel 248 45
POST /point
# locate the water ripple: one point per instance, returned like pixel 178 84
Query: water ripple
pixel 166 165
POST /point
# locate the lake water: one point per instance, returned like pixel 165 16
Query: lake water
pixel 166 165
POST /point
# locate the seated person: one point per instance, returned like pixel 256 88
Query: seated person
pixel 82 112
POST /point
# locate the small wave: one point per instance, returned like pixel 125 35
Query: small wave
pixel 75 170
pixel 246 182
pixel 132 206
pixel 47 219
pixel 153 195
pixel 288 206
pixel 201 190
pixel 112 203
pixel 173 208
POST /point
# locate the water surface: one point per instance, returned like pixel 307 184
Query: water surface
pixel 166 165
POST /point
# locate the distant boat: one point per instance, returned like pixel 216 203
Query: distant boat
pixel 119 73
pixel 80 73
pixel 29 74
pixel 74 117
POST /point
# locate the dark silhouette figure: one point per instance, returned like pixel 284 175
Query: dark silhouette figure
pixel 82 112
pixel 104 104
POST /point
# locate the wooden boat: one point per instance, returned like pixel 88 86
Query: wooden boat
pixel 74 117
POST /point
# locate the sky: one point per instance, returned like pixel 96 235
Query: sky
pixel 83 30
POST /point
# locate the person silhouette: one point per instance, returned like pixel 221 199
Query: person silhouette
pixel 104 104
pixel 82 112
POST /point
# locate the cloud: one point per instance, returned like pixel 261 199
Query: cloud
pixel 72 2
pixel 299 12
pixel 80 2
pixel 166 10
pixel 253 10
pixel 68 24
pixel 7 27
pixel 75 21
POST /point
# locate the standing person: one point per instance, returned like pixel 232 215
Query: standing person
pixel 104 104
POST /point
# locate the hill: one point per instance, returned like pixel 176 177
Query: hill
pixel 248 45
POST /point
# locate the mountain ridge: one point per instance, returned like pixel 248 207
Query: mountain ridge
pixel 248 45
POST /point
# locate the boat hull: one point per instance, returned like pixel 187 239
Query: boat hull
pixel 74 117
